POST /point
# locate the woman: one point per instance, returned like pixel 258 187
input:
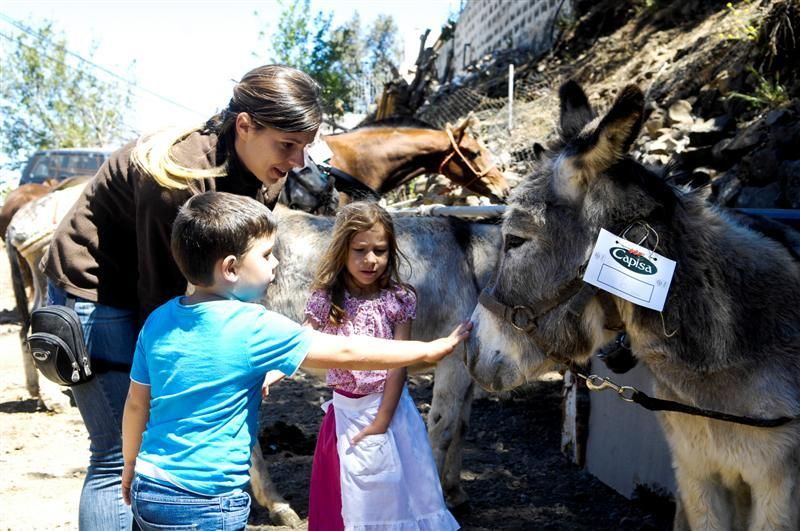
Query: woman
pixel 111 253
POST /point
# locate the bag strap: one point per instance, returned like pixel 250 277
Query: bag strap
pixel 70 302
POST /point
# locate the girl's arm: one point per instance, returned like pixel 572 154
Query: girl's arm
pixel 392 390
pixel 362 352
pixel 134 420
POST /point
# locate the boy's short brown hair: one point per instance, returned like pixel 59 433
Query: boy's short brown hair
pixel 213 225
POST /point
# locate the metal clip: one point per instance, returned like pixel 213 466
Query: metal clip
pixel 647 230
pixel 599 383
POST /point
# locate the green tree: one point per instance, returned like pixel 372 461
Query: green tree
pixel 291 43
pixel 306 42
pixel 381 41
pixel 338 58
pixel 51 100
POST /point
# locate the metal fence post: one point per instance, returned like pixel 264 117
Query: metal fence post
pixel 510 96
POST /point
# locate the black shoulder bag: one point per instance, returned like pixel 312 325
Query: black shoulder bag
pixel 57 345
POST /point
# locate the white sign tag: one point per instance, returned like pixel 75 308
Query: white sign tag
pixel 319 152
pixel 630 271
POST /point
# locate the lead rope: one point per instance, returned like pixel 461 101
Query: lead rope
pixel 628 393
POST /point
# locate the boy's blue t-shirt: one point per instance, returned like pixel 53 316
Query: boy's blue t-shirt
pixel 205 364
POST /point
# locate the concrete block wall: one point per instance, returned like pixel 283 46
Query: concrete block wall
pixel 488 25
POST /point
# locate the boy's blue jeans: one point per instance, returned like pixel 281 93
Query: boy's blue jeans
pixel 110 335
pixel 158 507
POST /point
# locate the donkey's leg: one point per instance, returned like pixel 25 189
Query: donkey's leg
pixel 265 493
pixel 51 395
pixel 703 501
pixel 447 424
pixel 742 504
pixel 18 268
pixel 776 498
pixel 680 523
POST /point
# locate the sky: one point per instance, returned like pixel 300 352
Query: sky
pixel 186 55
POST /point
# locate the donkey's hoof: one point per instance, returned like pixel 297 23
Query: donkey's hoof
pixel 52 405
pixel 461 510
pixel 457 500
pixel 285 516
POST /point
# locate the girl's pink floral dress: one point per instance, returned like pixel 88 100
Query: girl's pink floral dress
pixel 363 317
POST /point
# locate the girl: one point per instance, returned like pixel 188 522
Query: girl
pixel 373 467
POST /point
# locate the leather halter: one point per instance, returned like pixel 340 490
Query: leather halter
pixel 526 318
pixel 477 173
pixel 333 178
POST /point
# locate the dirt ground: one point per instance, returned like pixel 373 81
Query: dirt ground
pixel 513 471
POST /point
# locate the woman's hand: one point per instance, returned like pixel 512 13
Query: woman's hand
pixel 127 479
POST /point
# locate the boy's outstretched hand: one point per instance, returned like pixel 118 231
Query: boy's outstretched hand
pixel 443 346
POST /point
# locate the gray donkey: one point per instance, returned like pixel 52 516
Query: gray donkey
pixel 727 339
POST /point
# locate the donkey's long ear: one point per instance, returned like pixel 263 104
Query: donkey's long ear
pixel 575 110
pixel 597 147
pixel 615 133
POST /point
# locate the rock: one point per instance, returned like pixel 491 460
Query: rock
pixel 777 117
pixel 680 112
pixel 722 82
pixel 472 200
pixel 729 151
pixel 654 123
pixel 655 160
pixel 763 197
pixel 661 146
pixel 709 102
pixel 789 177
pixel 695 157
pixel 725 188
pixel 711 131
pixel 759 167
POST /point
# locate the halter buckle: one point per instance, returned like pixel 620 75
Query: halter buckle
pixel 522 318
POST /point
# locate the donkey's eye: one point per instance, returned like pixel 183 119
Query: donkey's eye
pixel 512 242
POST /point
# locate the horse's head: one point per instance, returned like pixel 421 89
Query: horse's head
pixel 535 310
pixel 468 164
pixel 311 191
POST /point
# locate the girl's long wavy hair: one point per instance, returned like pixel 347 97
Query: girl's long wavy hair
pixel 332 272
pixel 274 96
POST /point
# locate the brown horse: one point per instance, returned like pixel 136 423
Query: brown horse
pixel 388 154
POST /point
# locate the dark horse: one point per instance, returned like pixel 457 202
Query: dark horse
pixel 383 156
pixel 727 341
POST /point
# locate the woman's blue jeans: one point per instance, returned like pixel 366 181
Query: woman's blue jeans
pixel 160 507
pixel 111 336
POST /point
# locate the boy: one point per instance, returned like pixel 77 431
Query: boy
pixel 190 418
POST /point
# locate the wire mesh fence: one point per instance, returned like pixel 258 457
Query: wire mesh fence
pixel 511 141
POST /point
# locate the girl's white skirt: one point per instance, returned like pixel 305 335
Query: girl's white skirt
pixel 389 481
